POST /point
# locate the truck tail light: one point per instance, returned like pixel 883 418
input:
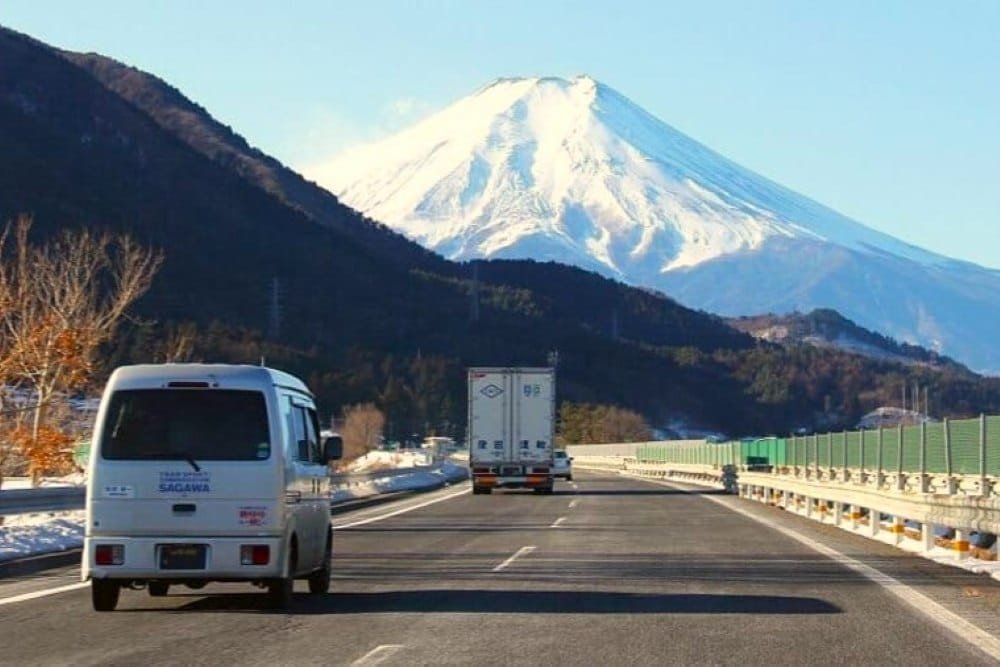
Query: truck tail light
pixel 255 554
pixel 109 554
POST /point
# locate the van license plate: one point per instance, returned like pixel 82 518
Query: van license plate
pixel 182 556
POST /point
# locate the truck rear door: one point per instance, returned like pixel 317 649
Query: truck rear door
pixel 489 426
pixel 532 416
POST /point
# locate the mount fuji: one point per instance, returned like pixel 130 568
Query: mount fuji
pixel 572 171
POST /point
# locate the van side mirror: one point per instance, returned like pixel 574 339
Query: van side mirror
pixel 333 448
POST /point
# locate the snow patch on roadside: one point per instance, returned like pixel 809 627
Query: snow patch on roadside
pixel 29 534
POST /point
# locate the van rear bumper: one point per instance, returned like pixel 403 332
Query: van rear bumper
pixel 222 559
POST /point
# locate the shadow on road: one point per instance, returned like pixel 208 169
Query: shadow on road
pixel 521 602
pixel 640 492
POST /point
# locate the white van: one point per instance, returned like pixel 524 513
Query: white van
pixel 207 472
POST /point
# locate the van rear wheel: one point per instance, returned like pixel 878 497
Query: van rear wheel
pixel 104 594
pixel 279 593
pixel 158 589
pixel 319 581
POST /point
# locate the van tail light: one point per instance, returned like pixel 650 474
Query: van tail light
pixel 109 554
pixel 255 554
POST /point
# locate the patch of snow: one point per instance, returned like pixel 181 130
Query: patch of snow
pixel 44 532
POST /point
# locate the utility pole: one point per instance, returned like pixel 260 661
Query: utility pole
pixel 274 310
pixel 474 294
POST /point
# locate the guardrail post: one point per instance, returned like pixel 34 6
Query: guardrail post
pixel 984 489
pixel 900 479
pixel 829 457
pixel 927 536
pixel 960 543
pixel 855 515
pixel 898 529
pixel 843 474
pixel 923 457
pixel 838 513
pixel 952 486
pixel 879 477
pixel 861 455
pixel 874 522
pixel 816 453
pixel 809 506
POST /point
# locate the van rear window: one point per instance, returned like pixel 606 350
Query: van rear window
pixel 210 425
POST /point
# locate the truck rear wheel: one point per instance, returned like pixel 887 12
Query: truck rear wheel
pixel 104 594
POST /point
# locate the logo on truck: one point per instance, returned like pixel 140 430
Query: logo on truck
pixel 185 482
pixel 491 391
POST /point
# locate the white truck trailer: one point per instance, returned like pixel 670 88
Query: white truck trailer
pixel 511 428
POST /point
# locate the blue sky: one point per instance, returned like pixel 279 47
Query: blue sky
pixel 886 111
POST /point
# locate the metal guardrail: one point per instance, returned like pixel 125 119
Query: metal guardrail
pixel 60 498
pixel 53 498
pixel 897 506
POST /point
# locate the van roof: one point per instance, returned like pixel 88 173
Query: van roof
pixel 149 376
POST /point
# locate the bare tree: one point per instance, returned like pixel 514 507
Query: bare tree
pixel 363 424
pixel 59 301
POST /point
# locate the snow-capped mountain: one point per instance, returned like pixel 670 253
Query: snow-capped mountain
pixel 572 171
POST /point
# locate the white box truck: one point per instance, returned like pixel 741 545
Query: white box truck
pixel 511 428
pixel 207 472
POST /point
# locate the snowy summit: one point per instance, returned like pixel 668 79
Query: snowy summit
pixel 574 172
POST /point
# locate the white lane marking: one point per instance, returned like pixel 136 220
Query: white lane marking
pixel 40 594
pixel 555 524
pixel 573 504
pixel 377 655
pixel 944 617
pixel 520 552
pixel 62 589
pixel 400 511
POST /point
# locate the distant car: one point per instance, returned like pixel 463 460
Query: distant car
pixel 562 464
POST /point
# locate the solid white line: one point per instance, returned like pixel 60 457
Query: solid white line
pixel 40 594
pixel 401 511
pixel 377 655
pixel 555 524
pixel 947 619
pixel 573 504
pixel 520 552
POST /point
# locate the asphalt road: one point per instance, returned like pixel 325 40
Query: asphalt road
pixel 606 571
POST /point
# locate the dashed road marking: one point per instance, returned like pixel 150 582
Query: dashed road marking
pixel 520 552
pixel 573 503
pixel 377 655
pixel 555 524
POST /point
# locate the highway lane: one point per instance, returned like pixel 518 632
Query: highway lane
pixel 614 571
